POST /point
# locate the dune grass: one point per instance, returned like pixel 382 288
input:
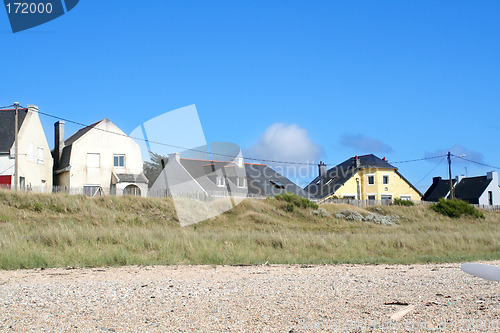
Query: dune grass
pixel 59 230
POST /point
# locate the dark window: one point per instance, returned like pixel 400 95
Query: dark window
pixel 490 198
pixel 371 197
pixel 277 184
pixel 119 161
pixel 371 180
pixel 386 180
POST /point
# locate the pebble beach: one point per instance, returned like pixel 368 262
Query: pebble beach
pixel 266 298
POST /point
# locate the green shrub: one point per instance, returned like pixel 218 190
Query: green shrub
pixel 37 207
pixel 297 201
pixel 455 208
pixel 401 202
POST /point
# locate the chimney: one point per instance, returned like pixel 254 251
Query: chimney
pixel 493 175
pixel 321 169
pixel 58 142
pixel 239 161
pixel 174 156
pixel 436 180
pixel 32 107
pixel 356 162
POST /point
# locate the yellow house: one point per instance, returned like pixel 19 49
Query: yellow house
pixel 364 177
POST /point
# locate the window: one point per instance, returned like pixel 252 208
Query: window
pixel 241 181
pixel 490 198
pixel 371 180
pixel 406 197
pixel 30 152
pixel 119 161
pixel 40 155
pixel 385 179
pixel 220 181
pixel 92 190
pixel 93 160
pixel 132 190
pixel 371 197
pixel 386 197
pixel 349 197
pixel 277 184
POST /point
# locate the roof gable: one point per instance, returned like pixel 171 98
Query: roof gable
pixel 337 176
pixel 440 188
pixel 261 179
pixel 471 189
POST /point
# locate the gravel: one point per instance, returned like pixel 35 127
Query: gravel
pixel 276 298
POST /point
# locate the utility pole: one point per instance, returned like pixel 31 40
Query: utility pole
pixel 449 170
pixel 16 148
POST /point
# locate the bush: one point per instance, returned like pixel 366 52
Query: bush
pixel 455 208
pixel 401 202
pixel 297 201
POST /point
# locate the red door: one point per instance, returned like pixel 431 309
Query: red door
pixel 5 181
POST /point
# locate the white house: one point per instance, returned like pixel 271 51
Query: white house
pixel 483 190
pixel 35 160
pixel 97 159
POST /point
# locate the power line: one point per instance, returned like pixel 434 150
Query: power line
pixel 419 159
pixel 478 163
pixel 218 154
pixel 430 171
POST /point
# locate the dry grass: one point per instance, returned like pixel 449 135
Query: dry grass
pixel 60 230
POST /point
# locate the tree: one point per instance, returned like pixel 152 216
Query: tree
pixel 153 168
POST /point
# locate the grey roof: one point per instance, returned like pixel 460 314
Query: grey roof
pixel 261 179
pixel 66 153
pixel 440 188
pixel 264 181
pixel 337 176
pixel 7 124
pixel 131 178
pixel 471 189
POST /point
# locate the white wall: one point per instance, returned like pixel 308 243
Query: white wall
pixel 33 170
pixel 494 188
pixel 99 141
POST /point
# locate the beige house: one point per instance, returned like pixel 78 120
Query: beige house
pixel 35 160
pixel 98 159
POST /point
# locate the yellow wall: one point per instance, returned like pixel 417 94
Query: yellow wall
pixel 397 186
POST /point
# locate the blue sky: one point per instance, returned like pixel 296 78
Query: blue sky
pixel 331 79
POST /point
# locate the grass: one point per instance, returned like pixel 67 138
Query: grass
pixel 57 230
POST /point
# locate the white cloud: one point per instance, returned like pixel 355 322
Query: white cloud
pixel 364 144
pixel 285 143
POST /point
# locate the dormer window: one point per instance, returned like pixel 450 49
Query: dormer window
pixel 241 182
pixel 277 184
pixel 221 181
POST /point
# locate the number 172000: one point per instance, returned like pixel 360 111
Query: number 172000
pixel 29 8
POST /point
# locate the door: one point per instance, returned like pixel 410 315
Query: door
pixel 490 198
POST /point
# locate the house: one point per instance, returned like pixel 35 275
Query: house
pixel 221 178
pixel 440 188
pixel 97 159
pixel 34 159
pixel 482 190
pixel 364 177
